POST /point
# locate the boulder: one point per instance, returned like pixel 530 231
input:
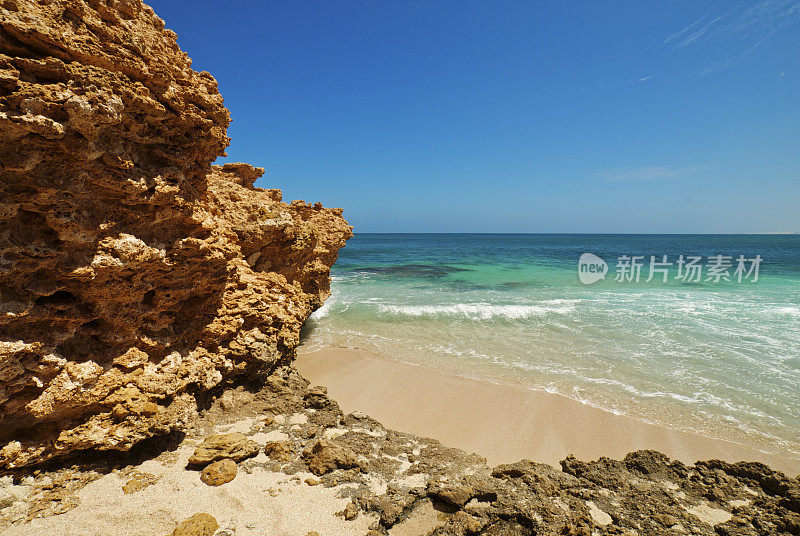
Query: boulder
pixel 450 493
pixel 234 446
pixel 280 451
pixel 197 525
pixel 219 472
pixel 350 511
pixel 325 456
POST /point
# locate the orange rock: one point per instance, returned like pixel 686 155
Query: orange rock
pixel 235 446
pixel 126 288
pixel 219 472
pixel 197 525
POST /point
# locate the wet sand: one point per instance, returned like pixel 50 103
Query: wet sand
pixel 502 422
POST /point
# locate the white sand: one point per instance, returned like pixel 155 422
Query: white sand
pixel 502 422
pixel 257 504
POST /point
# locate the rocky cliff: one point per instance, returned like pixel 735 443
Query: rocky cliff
pixel 137 280
pixel 134 276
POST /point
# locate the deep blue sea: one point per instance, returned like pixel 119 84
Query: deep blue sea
pixel 697 352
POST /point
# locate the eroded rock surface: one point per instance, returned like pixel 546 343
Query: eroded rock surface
pixel 388 482
pixel 395 483
pixel 234 446
pixel 134 276
pixel 399 478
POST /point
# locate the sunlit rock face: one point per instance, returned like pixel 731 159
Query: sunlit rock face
pixel 134 275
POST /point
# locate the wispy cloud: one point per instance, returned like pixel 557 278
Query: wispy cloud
pixel 648 173
pixel 694 31
pixel 755 24
pixel 749 26
pixel 645 78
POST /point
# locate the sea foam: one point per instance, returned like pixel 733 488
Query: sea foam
pixel 477 311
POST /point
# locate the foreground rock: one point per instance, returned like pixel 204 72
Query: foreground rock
pixel 138 280
pixel 197 525
pixel 233 446
pixel 325 456
pixel 378 481
pixel 135 277
pixel 401 481
pixel 219 473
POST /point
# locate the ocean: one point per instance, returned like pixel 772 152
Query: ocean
pixel 714 349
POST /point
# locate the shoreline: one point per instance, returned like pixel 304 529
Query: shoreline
pixel 503 423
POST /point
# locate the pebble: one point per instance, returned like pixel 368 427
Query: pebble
pixel 197 525
pixel 219 472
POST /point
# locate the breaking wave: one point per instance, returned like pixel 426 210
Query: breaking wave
pixel 477 311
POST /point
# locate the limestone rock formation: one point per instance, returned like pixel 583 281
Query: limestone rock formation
pixel 234 446
pixel 392 482
pixel 134 275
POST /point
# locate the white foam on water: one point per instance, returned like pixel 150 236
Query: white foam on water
pixel 716 361
pixel 562 301
pixel 477 311
pixel 323 311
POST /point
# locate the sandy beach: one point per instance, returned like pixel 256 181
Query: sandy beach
pixel 502 422
pixel 498 281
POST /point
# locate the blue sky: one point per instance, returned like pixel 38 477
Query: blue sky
pixel 514 116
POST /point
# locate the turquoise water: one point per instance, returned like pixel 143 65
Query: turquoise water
pixel 720 358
